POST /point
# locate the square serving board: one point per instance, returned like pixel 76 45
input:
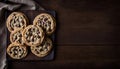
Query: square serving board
pixel 31 14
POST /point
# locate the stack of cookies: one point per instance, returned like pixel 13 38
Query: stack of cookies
pixel 35 36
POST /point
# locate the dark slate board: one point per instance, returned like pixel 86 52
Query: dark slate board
pixel 31 14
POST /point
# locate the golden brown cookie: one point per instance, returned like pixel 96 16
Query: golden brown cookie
pixel 33 35
pixel 43 49
pixel 16 37
pixel 16 20
pixel 46 21
pixel 16 51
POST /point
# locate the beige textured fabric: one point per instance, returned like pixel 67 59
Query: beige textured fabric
pixel 10 5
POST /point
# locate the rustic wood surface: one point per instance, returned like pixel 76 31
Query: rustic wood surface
pixel 87 36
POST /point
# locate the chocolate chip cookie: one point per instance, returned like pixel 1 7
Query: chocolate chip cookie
pixel 33 35
pixel 16 37
pixel 46 21
pixel 16 51
pixel 16 20
pixel 43 49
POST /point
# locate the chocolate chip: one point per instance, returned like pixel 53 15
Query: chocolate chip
pixel 45 19
pixel 10 52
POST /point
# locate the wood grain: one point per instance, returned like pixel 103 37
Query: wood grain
pixel 86 22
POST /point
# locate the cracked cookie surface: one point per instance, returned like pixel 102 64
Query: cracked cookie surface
pixel 33 35
pixel 16 20
pixel 43 49
pixel 17 51
pixel 46 21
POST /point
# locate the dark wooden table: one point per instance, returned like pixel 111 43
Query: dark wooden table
pixel 87 36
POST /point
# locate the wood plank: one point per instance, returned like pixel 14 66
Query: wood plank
pixel 67 65
pixel 75 57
